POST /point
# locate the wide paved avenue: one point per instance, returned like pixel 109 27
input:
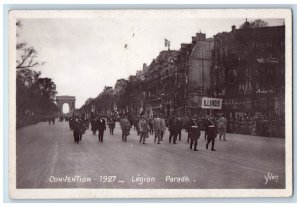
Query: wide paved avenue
pixel 47 157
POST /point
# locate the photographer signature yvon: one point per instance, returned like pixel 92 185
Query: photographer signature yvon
pixel 270 177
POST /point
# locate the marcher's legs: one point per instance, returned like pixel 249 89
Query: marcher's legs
pixel 191 144
pixel 208 141
pixel 179 134
pixel 213 145
pixel 171 136
pixel 102 134
pixel 123 134
pixel 195 145
pixel 175 138
pixel 74 135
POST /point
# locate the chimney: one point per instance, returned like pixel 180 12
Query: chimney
pixel 194 39
pixel 183 45
pixel 233 28
pixel 200 36
pixel 247 24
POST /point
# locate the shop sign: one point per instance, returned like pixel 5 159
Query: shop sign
pixel 268 60
pixel 211 103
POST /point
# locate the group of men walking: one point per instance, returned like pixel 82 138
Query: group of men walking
pixel 99 124
pixel 77 125
pixel 193 126
pixel 157 126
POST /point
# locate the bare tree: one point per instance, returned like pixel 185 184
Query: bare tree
pixel 27 57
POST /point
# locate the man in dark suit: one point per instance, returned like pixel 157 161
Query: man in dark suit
pixel 179 127
pixel 172 129
pixel 111 123
pixel 194 131
pixel 101 128
pixel 94 125
pixel 77 129
pixel 211 132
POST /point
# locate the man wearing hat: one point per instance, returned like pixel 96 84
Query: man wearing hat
pixel 125 126
pixel 158 128
pixel 101 128
pixel 144 127
pixel 194 131
pixel 211 132
pixel 173 129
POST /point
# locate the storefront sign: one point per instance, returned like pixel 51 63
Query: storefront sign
pixel 264 91
pixel 211 103
pixel 268 60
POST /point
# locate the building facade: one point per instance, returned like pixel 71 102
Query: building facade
pixel 200 70
pixel 248 69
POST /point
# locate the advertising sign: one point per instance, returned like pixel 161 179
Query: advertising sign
pixel 211 103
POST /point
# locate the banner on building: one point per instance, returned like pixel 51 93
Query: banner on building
pixel 211 103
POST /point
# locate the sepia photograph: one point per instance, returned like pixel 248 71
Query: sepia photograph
pixel 185 103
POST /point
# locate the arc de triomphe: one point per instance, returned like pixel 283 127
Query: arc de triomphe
pixel 61 100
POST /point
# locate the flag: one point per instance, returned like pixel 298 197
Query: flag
pixel 115 108
pixel 141 111
pixel 151 113
pixel 167 43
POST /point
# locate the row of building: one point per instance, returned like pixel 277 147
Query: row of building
pixel 244 67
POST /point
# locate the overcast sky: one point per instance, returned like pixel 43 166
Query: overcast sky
pixel 84 55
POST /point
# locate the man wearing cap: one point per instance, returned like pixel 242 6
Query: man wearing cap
pixel 144 129
pixel 194 131
pixel 125 126
pixel 77 129
pixel 222 127
pixel 172 129
pixel 212 132
pixel 101 128
pixel 158 128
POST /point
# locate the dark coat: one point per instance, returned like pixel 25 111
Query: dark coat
pixel 94 124
pixel 194 128
pixel 101 124
pixel 211 129
pixel 78 126
pixel 111 123
pixel 172 124
pixel 178 125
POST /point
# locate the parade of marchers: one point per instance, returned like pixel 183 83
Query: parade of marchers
pixel 148 127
